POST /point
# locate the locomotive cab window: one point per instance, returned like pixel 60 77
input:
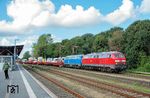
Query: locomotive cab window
pixel 104 55
pixel 95 56
pixel 90 56
pixel 100 55
pixel 109 55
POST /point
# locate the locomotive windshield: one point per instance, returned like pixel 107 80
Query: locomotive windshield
pixel 119 55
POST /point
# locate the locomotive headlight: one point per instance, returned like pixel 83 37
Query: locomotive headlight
pixel 116 60
pixel 123 60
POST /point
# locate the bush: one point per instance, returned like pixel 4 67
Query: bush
pixel 144 64
pixel 144 68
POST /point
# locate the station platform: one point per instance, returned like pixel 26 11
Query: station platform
pixel 21 84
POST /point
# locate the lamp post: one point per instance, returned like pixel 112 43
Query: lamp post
pixel 15 51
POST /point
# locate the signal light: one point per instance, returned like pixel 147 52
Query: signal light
pixel 117 61
pixel 123 60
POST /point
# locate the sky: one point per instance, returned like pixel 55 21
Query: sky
pixel 26 20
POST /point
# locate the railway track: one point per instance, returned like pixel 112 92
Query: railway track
pixel 131 76
pixel 144 81
pixel 138 75
pixel 128 93
pixel 58 84
pixel 128 76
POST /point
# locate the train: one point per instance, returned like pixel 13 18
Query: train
pixel 58 62
pixel 112 61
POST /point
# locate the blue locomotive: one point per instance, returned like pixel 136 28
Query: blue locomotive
pixel 73 60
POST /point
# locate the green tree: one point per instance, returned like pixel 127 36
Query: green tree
pixel 35 50
pixel 107 40
pixel 87 43
pixel 26 55
pixel 136 41
pixel 115 41
pixel 100 43
pixel 41 47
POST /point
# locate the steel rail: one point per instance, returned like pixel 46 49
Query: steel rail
pixel 58 84
pixel 99 85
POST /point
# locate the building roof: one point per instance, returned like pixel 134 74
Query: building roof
pixel 9 50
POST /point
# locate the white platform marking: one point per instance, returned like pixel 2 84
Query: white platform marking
pixel 42 86
pixel 27 85
pixel 1 66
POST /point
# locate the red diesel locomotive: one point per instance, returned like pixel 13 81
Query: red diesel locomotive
pixel 105 61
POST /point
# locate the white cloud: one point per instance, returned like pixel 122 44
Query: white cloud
pixel 56 39
pixel 124 12
pixel 68 17
pixel 23 12
pixel 29 15
pixel 28 42
pixel 5 42
pixel 145 7
pixel 42 19
pixel 77 17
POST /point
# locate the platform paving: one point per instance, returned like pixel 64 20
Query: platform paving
pixel 27 86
